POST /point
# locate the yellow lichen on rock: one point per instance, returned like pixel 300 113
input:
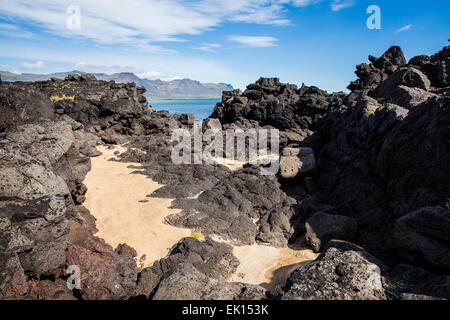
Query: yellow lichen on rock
pixel 56 98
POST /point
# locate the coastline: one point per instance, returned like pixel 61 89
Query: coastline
pixel 149 98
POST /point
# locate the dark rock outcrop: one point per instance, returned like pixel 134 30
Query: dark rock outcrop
pixel 404 76
pixel 196 270
pixel 268 102
pixel 295 162
pixel 98 105
pixel 245 206
pixel 371 75
pixel 436 67
pixel 422 237
pixel 105 274
pixel 323 227
pixel 345 271
pixel 342 272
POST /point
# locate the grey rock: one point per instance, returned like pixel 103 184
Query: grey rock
pixel 297 161
pixel 211 124
pixel 409 97
pixel 371 75
pixel 406 282
pixel 282 106
pixel 323 227
pixel 211 259
pixel 422 236
pixel 185 282
pixel 342 272
pixel 436 67
pixel 244 207
pixel 405 76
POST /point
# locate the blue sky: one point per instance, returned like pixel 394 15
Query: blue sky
pixel 316 42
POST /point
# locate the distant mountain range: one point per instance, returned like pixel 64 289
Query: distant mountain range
pixel 155 88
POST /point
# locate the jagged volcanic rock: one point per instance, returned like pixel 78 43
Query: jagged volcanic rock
pixel 196 270
pixel 283 106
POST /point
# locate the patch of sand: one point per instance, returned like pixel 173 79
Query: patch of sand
pixel 115 198
pixel 269 266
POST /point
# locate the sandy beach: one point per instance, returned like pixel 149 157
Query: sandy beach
pixel 117 198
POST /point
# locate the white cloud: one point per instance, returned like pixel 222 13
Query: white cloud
pixel 154 75
pixel 139 23
pixel 33 66
pixel 5 67
pixel 209 47
pixel 86 67
pixel 254 41
pixel 151 75
pixel 8 26
pixel 338 5
pixel 404 28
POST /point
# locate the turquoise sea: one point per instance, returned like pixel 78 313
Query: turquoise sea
pixel 200 108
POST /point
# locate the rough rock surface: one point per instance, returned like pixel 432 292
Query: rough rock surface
pixel 342 272
pixel 283 106
pixel 195 270
pixel 323 227
pixel 404 76
pixel 45 156
pixel 371 75
pixel 345 271
pixel 245 206
pixel 104 273
pixel 296 161
pixel 422 236
pixel 436 67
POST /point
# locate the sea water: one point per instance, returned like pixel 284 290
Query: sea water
pixel 200 108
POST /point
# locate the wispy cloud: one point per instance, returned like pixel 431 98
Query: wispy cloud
pixel 154 75
pixel 109 69
pixel 33 66
pixel 209 47
pixel 5 67
pixel 404 28
pixel 86 67
pixel 254 41
pixel 139 23
pixel 338 5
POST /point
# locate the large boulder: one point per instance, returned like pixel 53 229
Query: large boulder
pixel 347 146
pixel 196 270
pixel 23 106
pixel 297 161
pixel 436 67
pixel 409 97
pixel 211 124
pixel 323 227
pixel 212 259
pixel 105 274
pixel 405 76
pixel 185 282
pixel 342 272
pixel 422 237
